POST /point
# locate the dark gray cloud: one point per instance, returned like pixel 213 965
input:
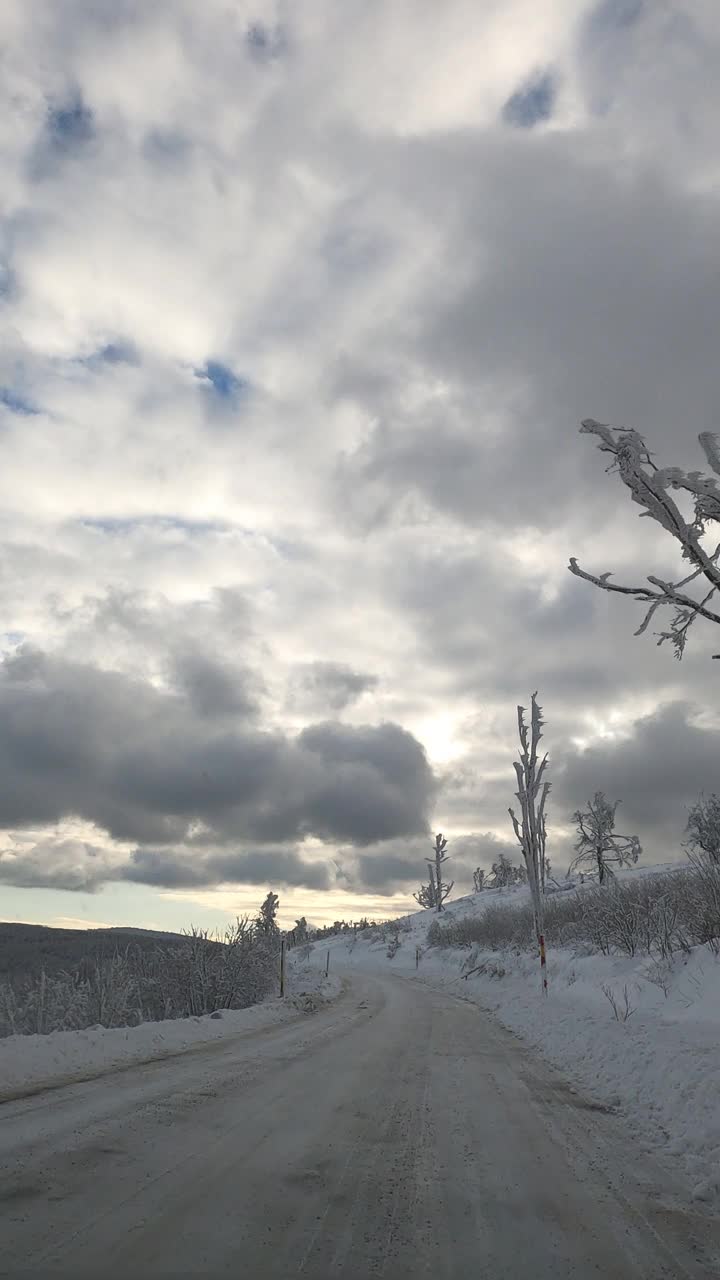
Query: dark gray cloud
pixel 376 782
pixel 79 866
pixel 401 866
pixel 327 686
pixel 656 774
pixel 387 871
pixel 214 688
pixel 481 849
pixel 276 866
pixel 577 280
pixel 140 763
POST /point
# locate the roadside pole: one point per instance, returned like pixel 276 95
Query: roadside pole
pixel 282 966
pixel 417 957
pixel 327 963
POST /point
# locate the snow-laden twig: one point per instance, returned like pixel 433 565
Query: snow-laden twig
pixel 621 1011
pixel 649 487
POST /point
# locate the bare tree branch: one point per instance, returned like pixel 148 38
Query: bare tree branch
pixel 649 487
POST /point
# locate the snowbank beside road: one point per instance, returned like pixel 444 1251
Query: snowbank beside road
pixel 660 1068
pixel 31 1063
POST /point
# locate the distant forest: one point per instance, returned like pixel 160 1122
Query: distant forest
pixel 28 949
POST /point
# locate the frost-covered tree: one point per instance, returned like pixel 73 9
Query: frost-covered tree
pixel 300 931
pixel 479 876
pixel 532 794
pixel 425 895
pixel 598 844
pixel 703 830
pixel 649 488
pixel 266 922
pixel 503 873
pixel 441 890
pixel 530 830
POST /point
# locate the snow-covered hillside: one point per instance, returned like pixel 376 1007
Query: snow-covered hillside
pixel 659 1065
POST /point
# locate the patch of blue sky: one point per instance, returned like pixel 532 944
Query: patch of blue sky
pixel 70 124
pixel 11 639
pixel 68 128
pixel 16 402
pixel 531 104
pixel 265 43
pixel 117 525
pixel 220 381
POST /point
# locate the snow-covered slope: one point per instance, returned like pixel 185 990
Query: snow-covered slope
pixel 660 1067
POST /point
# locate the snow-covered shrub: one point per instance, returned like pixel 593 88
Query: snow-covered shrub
pixel 702 888
pixel 660 973
pixel 505 873
pixel 703 830
pixel 393 946
pixel 499 926
pixel 622 1008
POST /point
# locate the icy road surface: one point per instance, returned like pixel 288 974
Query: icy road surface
pixel 399 1132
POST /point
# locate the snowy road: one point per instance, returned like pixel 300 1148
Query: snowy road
pixel 398 1132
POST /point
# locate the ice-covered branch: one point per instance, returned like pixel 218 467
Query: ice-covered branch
pixel 648 487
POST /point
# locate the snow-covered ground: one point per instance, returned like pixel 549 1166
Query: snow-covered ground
pixel 29 1063
pixel 660 1068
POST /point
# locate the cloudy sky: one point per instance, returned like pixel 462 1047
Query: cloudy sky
pixel 302 304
